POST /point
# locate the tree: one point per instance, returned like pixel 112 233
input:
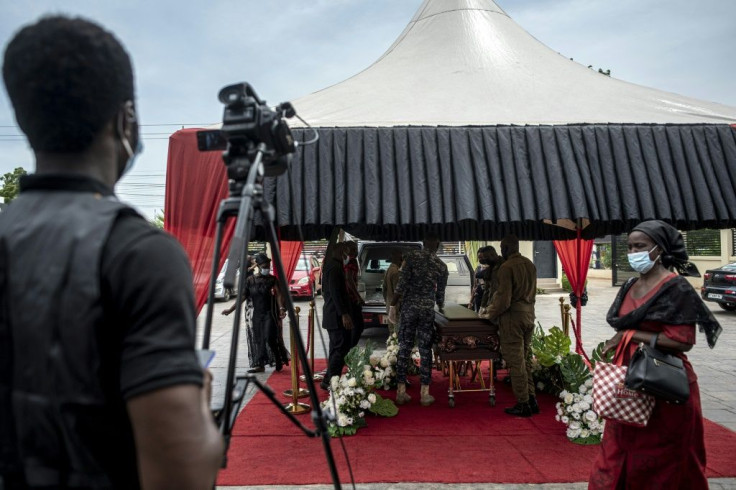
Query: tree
pixel 158 220
pixel 11 184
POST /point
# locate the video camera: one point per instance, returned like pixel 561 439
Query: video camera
pixel 246 123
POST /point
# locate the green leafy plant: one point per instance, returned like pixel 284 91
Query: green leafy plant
pixel 574 371
pixel 597 355
pixel 384 407
pixel 548 350
pixel 566 375
pixel 551 348
pixel 570 379
pixel 565 283
pixel 357 358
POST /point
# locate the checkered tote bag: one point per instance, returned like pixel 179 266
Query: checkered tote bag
pixel 611 399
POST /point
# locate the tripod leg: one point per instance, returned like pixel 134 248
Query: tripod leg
pixel 317 416
pixel 246 213
pixel 213 278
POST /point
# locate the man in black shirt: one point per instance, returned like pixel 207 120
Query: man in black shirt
pixel 336 312
pixel 100 386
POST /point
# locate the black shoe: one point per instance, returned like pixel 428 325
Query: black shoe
pixel 507 380
pixel 533 404
pixel 519 410
pixel 324 386
pixel 258 369
pixel 279 366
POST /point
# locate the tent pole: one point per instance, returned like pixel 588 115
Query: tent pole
pixel 580 288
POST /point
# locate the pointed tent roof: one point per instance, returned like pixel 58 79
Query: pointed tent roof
pixel 470 126
pixel 467 63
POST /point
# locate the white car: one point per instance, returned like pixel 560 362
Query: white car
pixel 221 292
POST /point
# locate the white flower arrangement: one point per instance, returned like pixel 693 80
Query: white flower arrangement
pixel 384 368
pixel 584 426
pixel 351 394
pixel 347 404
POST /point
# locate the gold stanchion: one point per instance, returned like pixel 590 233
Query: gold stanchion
pixel 310 336
pixel 565 316
pixel 295 392
pixel 562 311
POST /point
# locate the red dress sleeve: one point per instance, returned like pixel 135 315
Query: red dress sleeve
pixel 680 333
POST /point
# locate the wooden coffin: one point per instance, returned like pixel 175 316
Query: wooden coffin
pixel 463 336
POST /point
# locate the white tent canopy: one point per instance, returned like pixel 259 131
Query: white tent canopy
pixel 469 126
pixel 467 63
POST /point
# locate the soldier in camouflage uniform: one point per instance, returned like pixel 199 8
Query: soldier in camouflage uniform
pixel 421 284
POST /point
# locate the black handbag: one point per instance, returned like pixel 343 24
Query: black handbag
pixel 658 374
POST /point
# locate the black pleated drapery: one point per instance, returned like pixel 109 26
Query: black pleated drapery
pixel 485 182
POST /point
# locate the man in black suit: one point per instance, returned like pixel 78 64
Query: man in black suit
pixel 336 317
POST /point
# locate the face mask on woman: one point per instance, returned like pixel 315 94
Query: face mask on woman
pixel 265 272
pixel 640 261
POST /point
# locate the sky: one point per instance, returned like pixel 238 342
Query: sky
pixel 184 52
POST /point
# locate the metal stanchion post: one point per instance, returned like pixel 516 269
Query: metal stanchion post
pixel 310 336
pixel 295 392
pixel 562 311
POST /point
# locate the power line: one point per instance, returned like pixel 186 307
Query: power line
pixel 23 139
pixel 14 126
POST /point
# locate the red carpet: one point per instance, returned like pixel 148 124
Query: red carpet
pixel 471 443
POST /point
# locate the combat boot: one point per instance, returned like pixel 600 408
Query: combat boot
pixel 426 399
pixel 533 404
pixel 520 410
pixel 401 396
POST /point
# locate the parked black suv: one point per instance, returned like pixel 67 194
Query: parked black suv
pixel 719 285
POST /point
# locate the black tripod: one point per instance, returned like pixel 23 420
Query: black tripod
pixel 251 199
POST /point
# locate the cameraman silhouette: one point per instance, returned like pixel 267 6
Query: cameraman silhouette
pixel 100 386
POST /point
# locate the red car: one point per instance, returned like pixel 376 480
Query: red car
pixel 305 282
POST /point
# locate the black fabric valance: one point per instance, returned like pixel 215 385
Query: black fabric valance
pixel 485 182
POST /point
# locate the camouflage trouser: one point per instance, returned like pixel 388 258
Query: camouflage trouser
pixel 416 323
pixel 515 333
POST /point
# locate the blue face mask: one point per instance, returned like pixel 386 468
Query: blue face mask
pixel 640 261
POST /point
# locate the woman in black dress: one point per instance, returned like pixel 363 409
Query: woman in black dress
pixel 263 330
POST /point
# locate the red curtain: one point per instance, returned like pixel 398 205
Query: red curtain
pixel 290 253
pixel 196 182
pixel 575 258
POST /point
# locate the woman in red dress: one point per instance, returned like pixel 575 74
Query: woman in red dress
pixel 670 451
